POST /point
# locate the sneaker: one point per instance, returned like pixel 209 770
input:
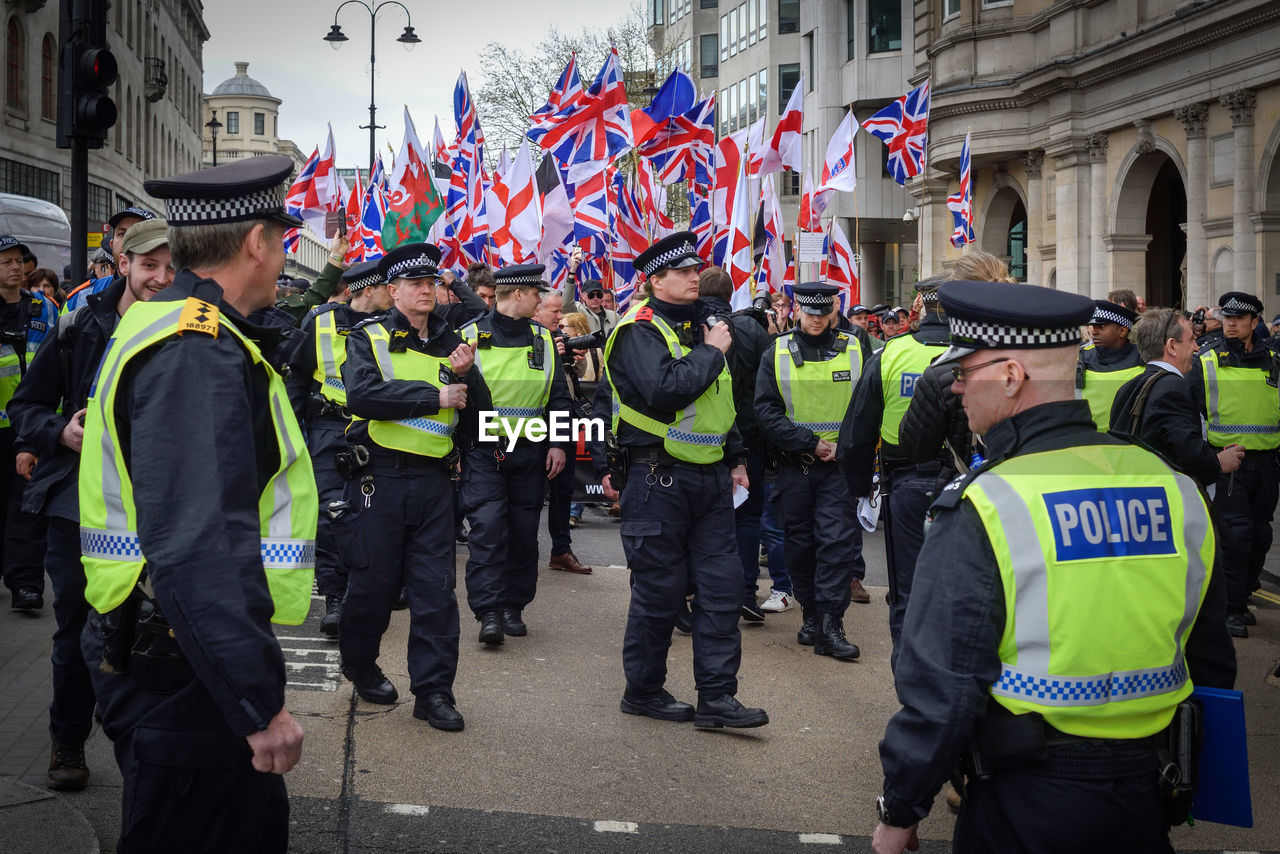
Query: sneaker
pixel 778 602
pixel 574 521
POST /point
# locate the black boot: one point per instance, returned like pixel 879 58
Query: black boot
pixel 438 710
pixel 808 630
pixel 491 628
pixel 512 623
pixel 332 616
pixel 684 619
pixel 725 710
pixel 830 639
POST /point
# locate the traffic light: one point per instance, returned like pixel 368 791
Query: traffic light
pixel 86 72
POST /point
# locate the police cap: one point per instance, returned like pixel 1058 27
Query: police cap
pixel 131 211
pixel 410 261
pixel 1236 303
pixel 1111 312
pixel 675 251
pixel 528 275
pixel 357 277
pixel 815 297
pixel 1004 316
pixel 252 188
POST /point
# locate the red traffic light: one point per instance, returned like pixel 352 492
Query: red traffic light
pixel 97 68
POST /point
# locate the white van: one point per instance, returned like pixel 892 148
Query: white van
pixel 41 225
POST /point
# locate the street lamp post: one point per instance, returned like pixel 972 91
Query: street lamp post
pixel 336 37
pixel 214 126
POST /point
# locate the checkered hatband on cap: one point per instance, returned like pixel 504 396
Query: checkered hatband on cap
pixel 657 262
pixel 357 285
pixel 929 297
pixel 256 205
pixel 531 279
pixel 815 300
pixel 1104 315
pixel 991 336
pixel 420 265
pixel 1237 304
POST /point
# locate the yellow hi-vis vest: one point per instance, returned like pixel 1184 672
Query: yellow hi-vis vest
pixel 42 322
pixel 815 393
pixel 1243 407
pixel 902 362
pixel 696 433
pixel 519 380
pixel 1104 555
pixel 287 509
pixel 424 435
pixel 331 352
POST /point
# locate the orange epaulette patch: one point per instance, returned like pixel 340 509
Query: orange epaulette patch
pixel 198 316
pixel 645 314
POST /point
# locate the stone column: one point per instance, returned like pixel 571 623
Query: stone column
pixel 1241 103
pixel 1071 191
pixel 1032 161
pixel 1099 274
pixel 1193 117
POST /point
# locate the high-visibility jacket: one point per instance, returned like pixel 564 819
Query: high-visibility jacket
pixel 1098 388
pixel 41 316
pixel 1243 405
pixel 1104 555
pixel 331 352
pixel 816 394
pixel 519 378
pixel 902 362
pixel 288 507
pixel 696 433
pixel 424 435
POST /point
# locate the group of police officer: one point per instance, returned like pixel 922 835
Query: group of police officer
pixel 1063 582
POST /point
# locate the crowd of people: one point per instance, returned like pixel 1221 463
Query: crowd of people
pixel 368 423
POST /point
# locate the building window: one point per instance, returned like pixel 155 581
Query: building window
pixel 790 183
pixel 744 104
pixel 884 26
pixel 742 27
pixel 260 124
pixel 751 21
pixel 15 64
pixel 950 8
pixel 1017 245
pixel 707 4
pixel 754 112
pixel 100 203
pixel 733 108
pixel 851 28
pixel 762 9
pixel 788 16
pixel 724 37
pixel 808 52
pixel 733 32
pixel 995 4
pixel 788 77
pixel 762 96
pixel 655 13
pixel 24 180
pixel 722 107
pixel 48 73
pixel 233 122
pixel 709 65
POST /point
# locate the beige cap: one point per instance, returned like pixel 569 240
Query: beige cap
pixel 145 236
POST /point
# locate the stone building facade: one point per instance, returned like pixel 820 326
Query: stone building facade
pixel 158 45
pixel 1115 144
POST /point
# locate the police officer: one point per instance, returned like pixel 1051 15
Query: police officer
pixel 25 319
pixel 407 375
pixel 1108 361
pixel 198 511
pixel 1234 382
pixel 673 404
pixel 505 472
pixel 875 415
pixel 48 411
pixel 803 389
pixel 1123 598
pixel 325 414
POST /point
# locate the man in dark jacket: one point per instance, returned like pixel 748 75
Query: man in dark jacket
pixel 1156 406
pixel 48 412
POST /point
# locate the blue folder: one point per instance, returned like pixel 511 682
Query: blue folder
pixel 1222 792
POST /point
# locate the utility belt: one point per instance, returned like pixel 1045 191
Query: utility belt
pixel 802 461
pixel 321 407
pixel 1006 742
pixel 138 641
pixel 1269 452
pixel 652 456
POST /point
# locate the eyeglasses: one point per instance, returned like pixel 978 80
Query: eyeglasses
pixel 960 373
pixel 595 294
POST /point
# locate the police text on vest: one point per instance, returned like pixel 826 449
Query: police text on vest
pixel 1112 522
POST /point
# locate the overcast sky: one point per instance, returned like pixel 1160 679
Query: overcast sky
pixel 284 47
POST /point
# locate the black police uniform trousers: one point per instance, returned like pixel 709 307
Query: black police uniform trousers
pixel 677 524
pixel 23 542
pixel 746 521
pixel 1243 504
pixel 819 520
pixel 559 497
pixel 71 712
pixel 326 438
pixel 1100 800
pixel 402 539
pixel 503 492
pixel 910 495
pixel 188 781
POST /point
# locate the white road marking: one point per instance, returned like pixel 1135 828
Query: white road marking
pixel 617 827
pixel 328 686
pixel 406 809
pixel 821 839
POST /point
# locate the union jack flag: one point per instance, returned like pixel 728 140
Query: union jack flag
pixel 587 134
pixel 630 238
pixel 302 191
pixel 465 206
pixel 683 146
pixel 567 91
pixel 700 222
pixel 903 126
pixel 960 203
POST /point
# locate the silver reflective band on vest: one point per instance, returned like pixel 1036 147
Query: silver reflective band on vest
pixel 326 328
pixel 1211 381
pixel 1031 678
pixel 277 552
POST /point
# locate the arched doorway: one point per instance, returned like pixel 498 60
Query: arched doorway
pixel 1148 246
pixel 1004 230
